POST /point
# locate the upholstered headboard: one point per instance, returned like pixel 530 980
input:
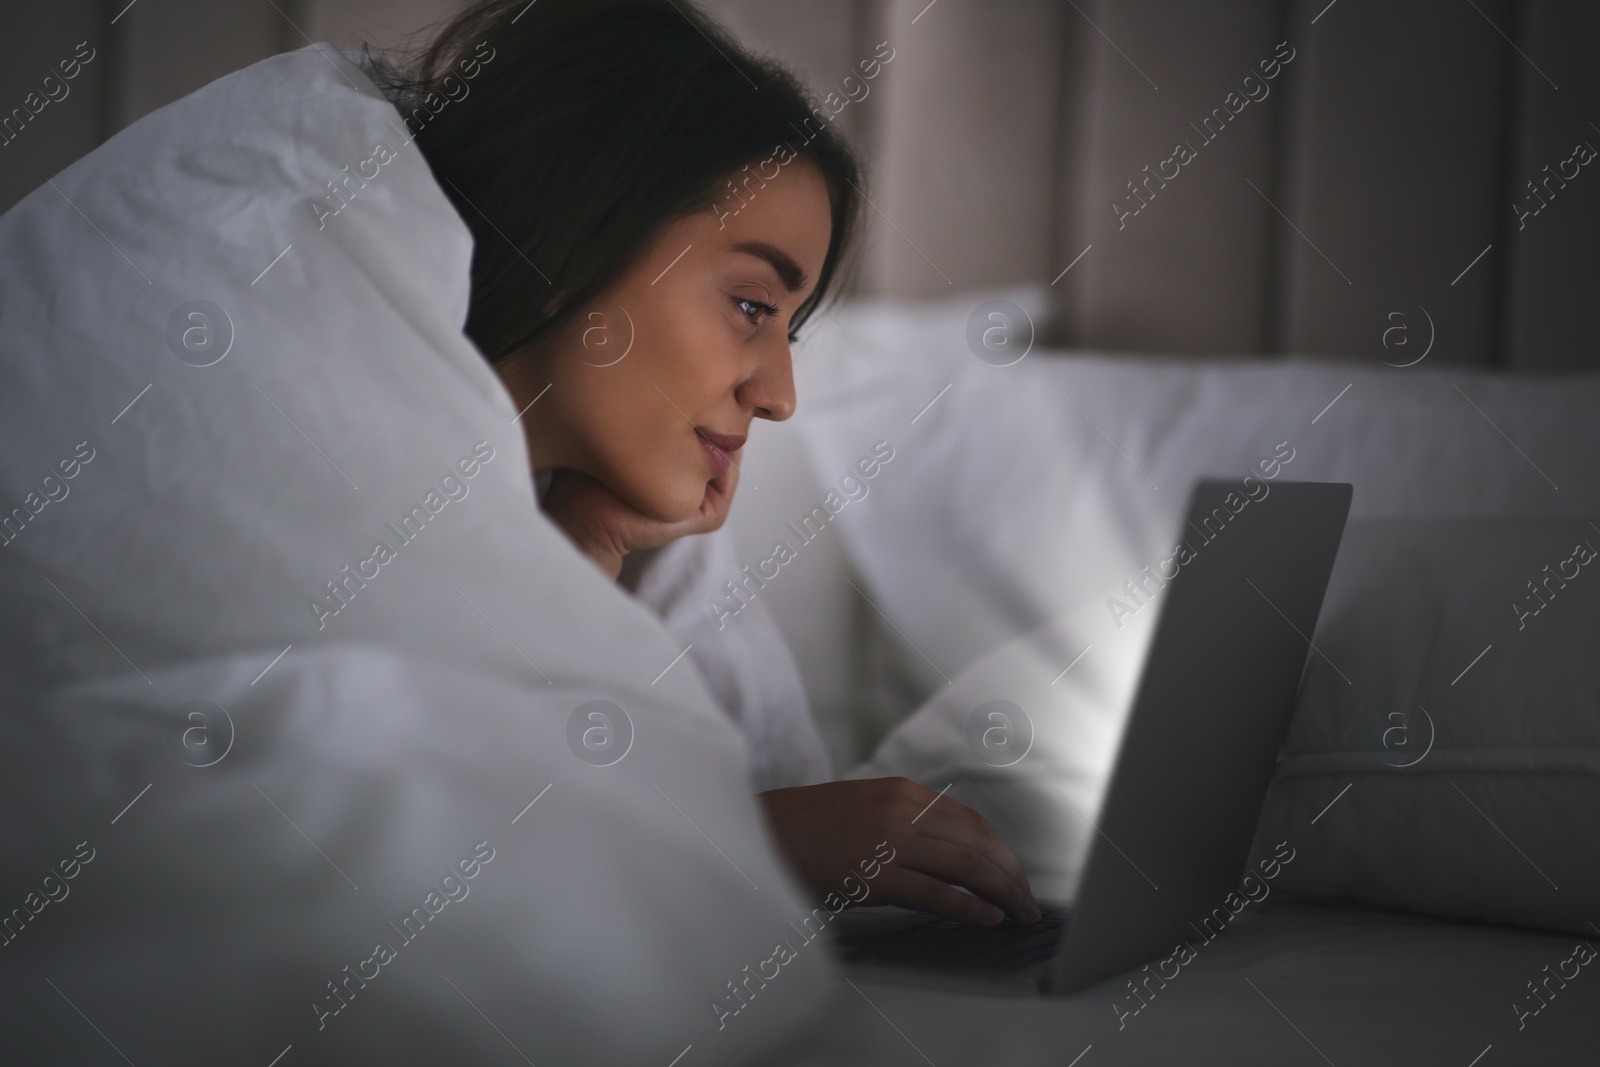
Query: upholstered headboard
pixel 1380 179
pixel 1359 178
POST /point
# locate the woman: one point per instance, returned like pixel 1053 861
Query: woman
pixel 656 214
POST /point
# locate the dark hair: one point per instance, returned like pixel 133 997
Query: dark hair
pixel 569 133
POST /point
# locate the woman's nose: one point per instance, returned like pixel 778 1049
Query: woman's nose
pixel 769 392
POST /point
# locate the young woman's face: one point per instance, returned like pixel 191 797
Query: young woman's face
pixel 653 388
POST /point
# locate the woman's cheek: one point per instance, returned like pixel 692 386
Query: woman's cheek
pixel 668 465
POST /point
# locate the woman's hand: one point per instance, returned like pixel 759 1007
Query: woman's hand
pixel 605 527
pixel 826 830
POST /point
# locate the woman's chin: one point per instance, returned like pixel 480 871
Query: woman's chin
pixel 692 500
pixel 679 505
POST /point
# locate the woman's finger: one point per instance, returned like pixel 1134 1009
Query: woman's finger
pixel 596 517
pixel 921 892
pixel 718 499
pixel 959 865
pixel 959 825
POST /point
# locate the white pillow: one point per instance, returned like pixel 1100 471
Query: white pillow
pixel 1023 497
pixel 1445 751
pixel 1020 492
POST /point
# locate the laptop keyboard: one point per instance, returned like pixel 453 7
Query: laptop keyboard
pixel 951 943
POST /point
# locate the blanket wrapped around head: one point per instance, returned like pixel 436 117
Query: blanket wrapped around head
pixel 317 733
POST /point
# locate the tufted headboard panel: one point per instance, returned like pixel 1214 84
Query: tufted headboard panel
pixel 1240 176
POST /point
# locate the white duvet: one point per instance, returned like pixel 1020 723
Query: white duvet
pixel 319 739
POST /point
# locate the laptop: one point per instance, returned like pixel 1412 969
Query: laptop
pixel 1191 774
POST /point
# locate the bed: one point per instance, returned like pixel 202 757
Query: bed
pixel 199 473
pixel 1296 984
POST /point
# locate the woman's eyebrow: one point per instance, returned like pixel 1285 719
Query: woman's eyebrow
pixel 789 272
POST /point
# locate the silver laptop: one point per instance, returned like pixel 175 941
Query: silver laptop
pixel 1191 774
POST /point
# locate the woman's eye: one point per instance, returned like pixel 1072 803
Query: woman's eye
pixel 755 310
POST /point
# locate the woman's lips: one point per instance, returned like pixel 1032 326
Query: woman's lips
pixel 717 446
